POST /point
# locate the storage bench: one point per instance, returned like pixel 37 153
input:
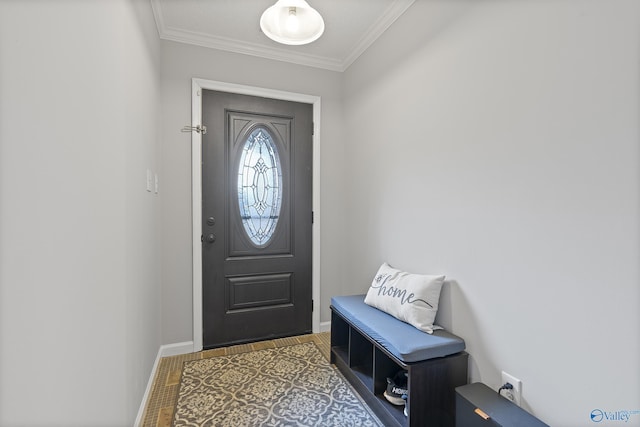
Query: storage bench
pixel 369 345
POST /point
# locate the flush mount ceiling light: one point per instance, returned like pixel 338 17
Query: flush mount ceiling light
pixel 292 22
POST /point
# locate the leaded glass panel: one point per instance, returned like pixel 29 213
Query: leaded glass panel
pixel 260 186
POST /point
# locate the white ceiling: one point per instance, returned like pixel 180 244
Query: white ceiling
pixel 234 25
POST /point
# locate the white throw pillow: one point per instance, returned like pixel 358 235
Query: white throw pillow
pixel 412 298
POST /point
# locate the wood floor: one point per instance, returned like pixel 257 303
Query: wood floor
pixel 164 392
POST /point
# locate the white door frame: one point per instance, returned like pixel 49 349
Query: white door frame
pixel 196 190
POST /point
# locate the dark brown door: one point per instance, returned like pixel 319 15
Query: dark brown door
pixel 257 219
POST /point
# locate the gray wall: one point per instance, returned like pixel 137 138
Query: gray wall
pixel 497 142
pixel 79 264
pixel 180 63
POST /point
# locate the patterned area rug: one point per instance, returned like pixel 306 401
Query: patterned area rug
pixel 286 386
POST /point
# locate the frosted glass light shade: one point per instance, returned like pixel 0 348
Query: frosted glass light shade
pixel 292 22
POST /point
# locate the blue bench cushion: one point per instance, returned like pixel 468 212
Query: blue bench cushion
pixel 402 340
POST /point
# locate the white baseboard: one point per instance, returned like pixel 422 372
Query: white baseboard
pixel 325 326
pixel 176 349
pixel 164 351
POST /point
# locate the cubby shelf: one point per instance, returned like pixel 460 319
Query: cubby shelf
pixel 431 383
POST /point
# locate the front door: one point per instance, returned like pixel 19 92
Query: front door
pixel 256 218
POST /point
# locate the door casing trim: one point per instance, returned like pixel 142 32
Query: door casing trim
pixel 197 85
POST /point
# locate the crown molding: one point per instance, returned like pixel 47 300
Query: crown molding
pixel 393 12
pixel 253 49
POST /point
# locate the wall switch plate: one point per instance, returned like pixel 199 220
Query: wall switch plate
pixel 514 395
pixel 149 180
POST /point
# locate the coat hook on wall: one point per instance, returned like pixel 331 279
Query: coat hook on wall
pixel 199 129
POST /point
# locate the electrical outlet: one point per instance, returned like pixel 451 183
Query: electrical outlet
pixel 514 395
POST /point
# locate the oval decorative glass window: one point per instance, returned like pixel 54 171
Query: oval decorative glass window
pixel 259 186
